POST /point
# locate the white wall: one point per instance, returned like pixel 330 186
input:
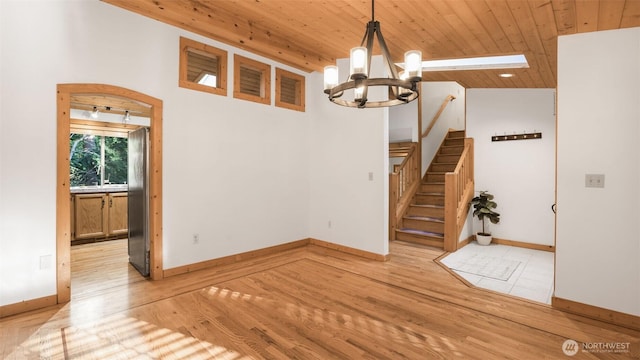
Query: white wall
pixel 521 174
pixel 346 145
pixel 403 122
pixel 235 172
pixel 598 241
pixel 242 175
pixel 432 94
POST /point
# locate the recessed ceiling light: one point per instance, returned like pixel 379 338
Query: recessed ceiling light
pixel 506 75
pixel 476 63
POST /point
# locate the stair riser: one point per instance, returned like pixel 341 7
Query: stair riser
pixel 451 150
pixel 447 158
pixel 432 188
pixel 454 142
pixel 443 167
pixel 426 212
pixel 456 134
pixel 424 240
pixel 434 177
pixel 424 225
pixel 429 199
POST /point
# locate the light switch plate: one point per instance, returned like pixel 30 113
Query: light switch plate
pixel 594 180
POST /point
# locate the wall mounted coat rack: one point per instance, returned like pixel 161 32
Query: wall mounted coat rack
pixel 523 136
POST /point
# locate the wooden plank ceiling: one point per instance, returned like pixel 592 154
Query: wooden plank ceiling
pixel 110 104
pixel 310 34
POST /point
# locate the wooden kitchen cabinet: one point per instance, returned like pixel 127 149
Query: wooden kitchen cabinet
pixel 91 216
pixel 118 220
pixel 99 216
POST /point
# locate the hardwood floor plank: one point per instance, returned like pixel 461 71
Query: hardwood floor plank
pixel 305 303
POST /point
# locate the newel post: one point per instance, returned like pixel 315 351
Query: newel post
pixel 450 211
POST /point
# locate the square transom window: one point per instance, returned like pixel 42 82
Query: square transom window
pixel 289 90
pixel 202 67
pixel 252 80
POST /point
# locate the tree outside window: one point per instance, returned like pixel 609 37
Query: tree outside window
pixel 97 160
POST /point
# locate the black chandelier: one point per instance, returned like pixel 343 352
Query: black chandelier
pixel 402 87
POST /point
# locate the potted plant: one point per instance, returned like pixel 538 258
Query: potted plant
pixel 483 206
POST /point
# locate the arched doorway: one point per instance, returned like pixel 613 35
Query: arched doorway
pixel 63 231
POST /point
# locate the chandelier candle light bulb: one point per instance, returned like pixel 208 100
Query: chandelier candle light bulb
pixel 403 75
pixel 358 63
pixel 358 93
pixel 330 77
pixel 413 64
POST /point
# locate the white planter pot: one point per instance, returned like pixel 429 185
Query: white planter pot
pixel 483 239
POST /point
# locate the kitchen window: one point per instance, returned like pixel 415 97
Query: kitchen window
pixel 97 160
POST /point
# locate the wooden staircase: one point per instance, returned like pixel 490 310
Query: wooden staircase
pixel 423 222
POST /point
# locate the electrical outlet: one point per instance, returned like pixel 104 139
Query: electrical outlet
pixel 196 239
pixel 594 180
pixel 370 176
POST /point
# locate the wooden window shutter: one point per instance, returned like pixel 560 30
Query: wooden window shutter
pixel 202 67
pixel 251 80
pixel 290 90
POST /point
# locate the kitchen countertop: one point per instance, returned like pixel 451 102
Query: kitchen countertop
pixel 99 189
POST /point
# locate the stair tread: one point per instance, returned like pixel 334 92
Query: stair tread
pixel 430 193
pixel 424 218
pixel 428 206
pixel 420 232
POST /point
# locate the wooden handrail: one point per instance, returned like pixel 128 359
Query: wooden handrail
pixel 403 183
pixel 458 192
pixel 446 102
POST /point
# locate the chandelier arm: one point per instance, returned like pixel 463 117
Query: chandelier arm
pixel 371 30
pixel 386 55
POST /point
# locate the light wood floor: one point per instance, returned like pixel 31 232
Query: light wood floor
pixel 307 303
pixel 97 267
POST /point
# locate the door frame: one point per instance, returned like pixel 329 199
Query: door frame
pixel 63 194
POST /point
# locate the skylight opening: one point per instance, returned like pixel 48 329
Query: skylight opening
pixel 476 63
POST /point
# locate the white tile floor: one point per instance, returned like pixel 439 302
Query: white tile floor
pixel 532 278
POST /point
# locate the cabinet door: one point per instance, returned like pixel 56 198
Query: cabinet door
pixel 118 208
pixel 91 215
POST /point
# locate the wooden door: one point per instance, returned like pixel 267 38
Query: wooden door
pixel 118 221
pixel 91 216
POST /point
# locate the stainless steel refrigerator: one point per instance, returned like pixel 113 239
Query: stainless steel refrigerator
pixel 138 201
